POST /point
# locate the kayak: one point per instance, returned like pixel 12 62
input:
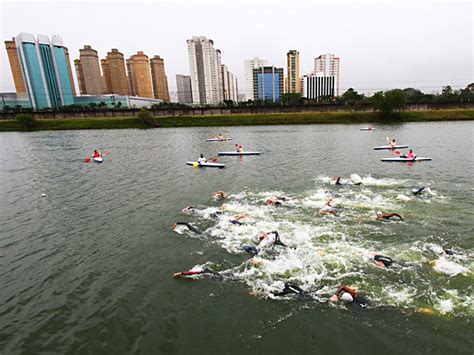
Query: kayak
pixel 404 160
pixel 390 147
pixel 97 160
pixel 205 165
pixel 368 129
pixel 218 140
pixel 238 153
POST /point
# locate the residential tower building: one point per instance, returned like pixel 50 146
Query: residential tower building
pixel 138 67
pixel 118 77
pixel 15 65
pixel 88 72
pixel 293 72
pixel 249 66
pixel 183 85
pixel 159 79
pixel 328 65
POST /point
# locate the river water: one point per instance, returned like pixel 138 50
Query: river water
pixel 88 267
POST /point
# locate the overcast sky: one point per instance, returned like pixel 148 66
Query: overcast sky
pixel 381 45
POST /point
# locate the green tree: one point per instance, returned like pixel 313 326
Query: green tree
pixel 146 118
pixel 26 121
pixel 351 98
pixel 292 99
pixel 389 101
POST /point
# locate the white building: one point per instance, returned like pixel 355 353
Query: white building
pixel 250 65
pixel 205 71
pixel 229 82
pixel 318 87
pixel 328 65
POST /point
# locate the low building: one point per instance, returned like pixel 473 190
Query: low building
pixel 318 87
pixel 117 101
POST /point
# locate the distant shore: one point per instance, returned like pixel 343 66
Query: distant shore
pixel 244 120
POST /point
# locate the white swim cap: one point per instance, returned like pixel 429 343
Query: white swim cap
pixel 347 297
pixel 437 249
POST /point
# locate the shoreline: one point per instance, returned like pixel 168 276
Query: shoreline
pixel 243 120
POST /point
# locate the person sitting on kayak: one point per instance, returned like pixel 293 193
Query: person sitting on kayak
pixel 387 216
pixel 409 155
pixel 392 143
pixel 270 238
pixel 349 295
pixel 96 154
pixel 202 159
pixel 219 194
pixel 239 148
pixel 381 260
pixel 220 136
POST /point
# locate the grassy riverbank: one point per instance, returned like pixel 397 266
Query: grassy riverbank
pixel 244 120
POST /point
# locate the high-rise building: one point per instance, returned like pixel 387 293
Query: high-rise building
pixel 69 70
pixel 268 83
pixel 205 71
pixel 139 75
pixel 107 82
pixel 159 79
pixel 183 84
pixel 45 70
pixel 88 72
pixel 15 65
pixel 293 72
pixel 118 77
pixel 249 66
pixel 317 87
pixel 229 85
pixel 328 65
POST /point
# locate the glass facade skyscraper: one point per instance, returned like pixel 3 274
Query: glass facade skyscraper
pixel 268 83
pixel 45 70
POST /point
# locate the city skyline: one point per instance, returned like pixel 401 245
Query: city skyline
pixel 383 60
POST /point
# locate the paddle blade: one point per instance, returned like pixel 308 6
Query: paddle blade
pixel 87 160
pixel 397 152
pixel 195 165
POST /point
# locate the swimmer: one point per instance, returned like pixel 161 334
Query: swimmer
pixel 192 273
pixel 236 219
pixel 189 210
pixel 418 191
pixel 219 194
pixel 190 227
pixel 327 208
pixel 270 238
pixel 291 288
pixel 338 181
pixel 441 251
pixel 273 202
pixel 387 216
pixel 250 249
pixel 380 260
pixel 349 295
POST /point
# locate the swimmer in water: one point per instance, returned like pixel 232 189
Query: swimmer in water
pixel 387 216
pixel 250 249
pixel 189 210
pixel 441 251
pixel 327 208
pixel 190 227
pixel 219 194
pixel 349 295
pixel 418 191
pixel 270 238
pixel 381 260
pixel 236 219
pixel 291 288
pixel 206 271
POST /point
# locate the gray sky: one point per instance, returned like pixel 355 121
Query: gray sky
pixel 381 45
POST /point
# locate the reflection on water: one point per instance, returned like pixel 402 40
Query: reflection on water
pixel 88 267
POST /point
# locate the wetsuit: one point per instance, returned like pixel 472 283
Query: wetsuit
pixel 215 215
pixel 338 181
pixel 250 249
pixel 385 260
pixel 418 191
pixel 190 227
pixel 277 240
pixel 201 272
pixel 236 222
pixel 387 216
pixel 292 288
pixel 357 298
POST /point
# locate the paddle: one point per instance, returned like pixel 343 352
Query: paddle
pixel 87 160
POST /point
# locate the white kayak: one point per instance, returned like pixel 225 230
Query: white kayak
pixel 368 129
pixel 238 153
pixel 97 160
pixel 390 147
pixel 205 165
pixel 404 160
pixel 218 139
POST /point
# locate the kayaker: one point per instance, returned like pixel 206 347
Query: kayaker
pixel 96 154
pixel 349 295
pixel 392 143
pixel 202 159
pixel 237 149
pixel 387 216
pixel 409 155
pixel 220 136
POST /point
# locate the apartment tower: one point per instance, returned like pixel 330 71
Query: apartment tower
pixel 69 70
pixel 88 72
pixel 139 75
pixel 249 66
pixel 159 79
pixel 15 65
pixel 115 76
pixel 205 71
pixel 183 85
pixel 328 65
pixel 293 72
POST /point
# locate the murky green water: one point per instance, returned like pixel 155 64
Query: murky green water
pixel 88 268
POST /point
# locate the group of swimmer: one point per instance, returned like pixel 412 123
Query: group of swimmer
pixel 265 240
